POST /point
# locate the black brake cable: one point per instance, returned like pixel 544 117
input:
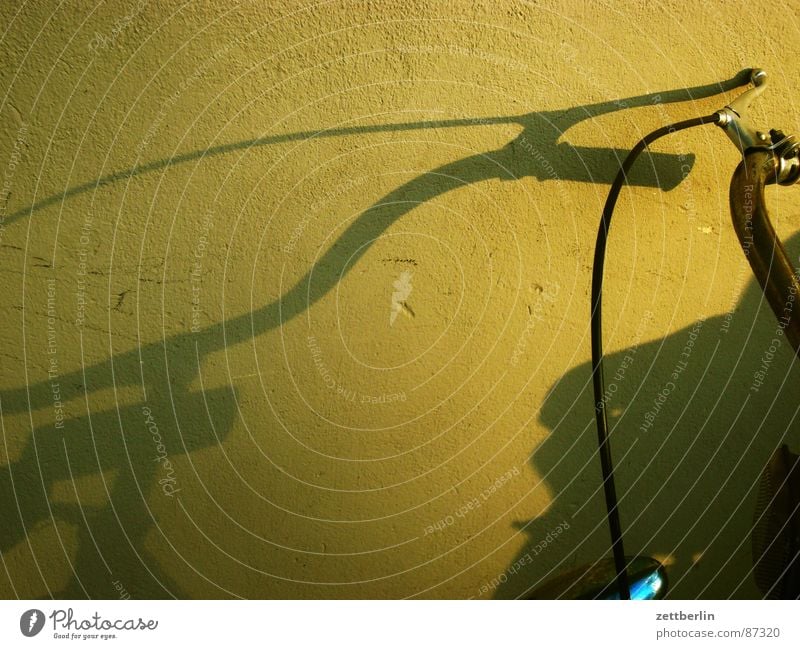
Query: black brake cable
pixel 612 506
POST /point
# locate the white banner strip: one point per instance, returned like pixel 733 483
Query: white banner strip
pixel 400 624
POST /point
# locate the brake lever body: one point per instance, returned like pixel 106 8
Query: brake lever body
pixel 735 120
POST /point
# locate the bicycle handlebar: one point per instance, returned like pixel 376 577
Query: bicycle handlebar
pixel 762 247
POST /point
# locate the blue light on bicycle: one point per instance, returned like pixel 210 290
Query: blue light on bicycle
pixel 647 587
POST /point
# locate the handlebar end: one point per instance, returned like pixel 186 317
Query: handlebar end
pixel 758 77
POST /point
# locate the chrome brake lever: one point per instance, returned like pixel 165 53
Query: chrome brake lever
pixel 734 118
pixel 735 121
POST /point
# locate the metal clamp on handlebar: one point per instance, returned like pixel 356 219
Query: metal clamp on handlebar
pixel 787 150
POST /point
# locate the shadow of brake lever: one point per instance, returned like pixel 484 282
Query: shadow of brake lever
pixel 600 165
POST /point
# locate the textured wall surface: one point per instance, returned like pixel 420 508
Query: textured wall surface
pixel 295 296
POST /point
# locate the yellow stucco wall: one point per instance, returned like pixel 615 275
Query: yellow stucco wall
pixel 295 296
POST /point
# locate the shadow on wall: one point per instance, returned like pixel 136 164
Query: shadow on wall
pixel 694 418
pixel 116 447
